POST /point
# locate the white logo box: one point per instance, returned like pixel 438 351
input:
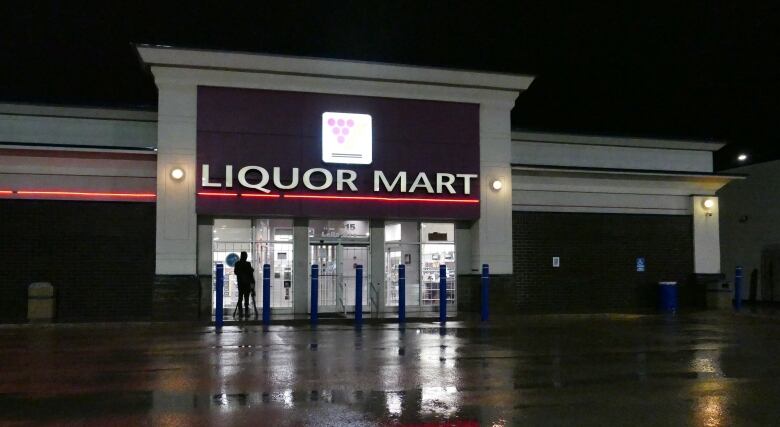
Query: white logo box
pixel 346 138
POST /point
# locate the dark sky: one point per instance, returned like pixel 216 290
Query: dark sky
pixel 684 69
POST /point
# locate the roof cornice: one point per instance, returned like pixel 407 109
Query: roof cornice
pixel 221 61
pixel 617 141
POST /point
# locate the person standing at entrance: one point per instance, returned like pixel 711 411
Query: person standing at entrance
pixel 245 275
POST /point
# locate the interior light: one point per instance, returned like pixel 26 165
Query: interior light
pixel 497 184
pixel 177 174
pixel 708 203
pixel 742 157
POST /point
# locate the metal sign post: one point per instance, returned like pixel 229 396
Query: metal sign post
pixel 219 285
pixel 442 293
pixel 315 273
pixel 401 293
pixel 266 294
pixel 358 295
pixel 738 288
pixel 485 284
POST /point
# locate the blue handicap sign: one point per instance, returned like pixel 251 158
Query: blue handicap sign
pixel 231 259
pixel 640 264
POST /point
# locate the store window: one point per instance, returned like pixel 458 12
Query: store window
pixel 230 238
pixel 266 241
pixel 273 243
pixel 437 248
pixel 422 248
pixel 402 246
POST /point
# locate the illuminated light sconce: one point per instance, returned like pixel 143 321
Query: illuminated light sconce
pixel 708 204
pixel 742 157
pixel 496 184
pixel 177 174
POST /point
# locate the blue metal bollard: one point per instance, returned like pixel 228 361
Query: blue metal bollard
pixel 738 288
pixel 484 293
pixel 315 278
pixel 442 293
pixel 401 293
pixel 219 287
pixel 266 294
pixel 358 295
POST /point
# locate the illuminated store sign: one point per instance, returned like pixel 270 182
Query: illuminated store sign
pixel 321 179
pixel 346 138
pixel 317 155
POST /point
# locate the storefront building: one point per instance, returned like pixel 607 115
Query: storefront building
pixel 301 161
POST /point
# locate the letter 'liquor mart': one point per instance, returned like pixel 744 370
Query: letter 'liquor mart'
pixel 302 161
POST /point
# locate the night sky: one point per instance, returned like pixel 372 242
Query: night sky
pixel 689 70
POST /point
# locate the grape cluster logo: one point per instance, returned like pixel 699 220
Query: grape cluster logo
pixel 346 138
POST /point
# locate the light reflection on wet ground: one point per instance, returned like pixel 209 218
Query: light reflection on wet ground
pixel 704 369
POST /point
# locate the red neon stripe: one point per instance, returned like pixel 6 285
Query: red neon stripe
pixel 206 193
pixel 6 192
pixel 84 193
pixel 258 195
pixel 380 198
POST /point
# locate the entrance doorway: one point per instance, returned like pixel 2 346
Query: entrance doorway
pixel 338 247
pixel 266 241
pixel 338 263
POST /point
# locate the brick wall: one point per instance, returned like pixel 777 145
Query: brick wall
pixel 98 255
pixel 598 255
pixel 470 293
pixel 177 297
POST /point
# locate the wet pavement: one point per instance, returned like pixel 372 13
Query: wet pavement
pixel 703 368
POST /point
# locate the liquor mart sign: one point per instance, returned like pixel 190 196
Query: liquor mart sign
pixel 285 148
pixel 341 180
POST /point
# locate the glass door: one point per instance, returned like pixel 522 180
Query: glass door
pixel 437 248
pixel 273 243
pixel 330 296
pixel 337 275
pixel 402 247
pixel 338 247
pixel 353 255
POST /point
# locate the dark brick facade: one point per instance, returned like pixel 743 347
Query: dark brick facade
pixel 176 297
pixel 598 254
pixel 470 293
pixel 98 255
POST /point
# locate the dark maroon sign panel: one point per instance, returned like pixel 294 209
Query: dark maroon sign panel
pixel 243 127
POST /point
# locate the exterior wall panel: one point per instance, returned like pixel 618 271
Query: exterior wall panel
pixel 598 255
pixel 98 255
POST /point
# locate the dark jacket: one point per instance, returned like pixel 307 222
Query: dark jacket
pixel 244 274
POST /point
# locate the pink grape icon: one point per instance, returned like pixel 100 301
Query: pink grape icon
pixel 331 122
pixel 350 123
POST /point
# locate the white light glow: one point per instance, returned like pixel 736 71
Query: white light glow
pixel 708 203
pixel 742 157
pixel 177 174
pixel 497 184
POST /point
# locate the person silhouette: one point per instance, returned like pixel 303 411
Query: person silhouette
pixel 245 276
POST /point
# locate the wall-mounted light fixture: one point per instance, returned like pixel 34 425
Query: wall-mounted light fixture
pixel 177 174
pixel 742 157
pixel 708 204
pixel 496 184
